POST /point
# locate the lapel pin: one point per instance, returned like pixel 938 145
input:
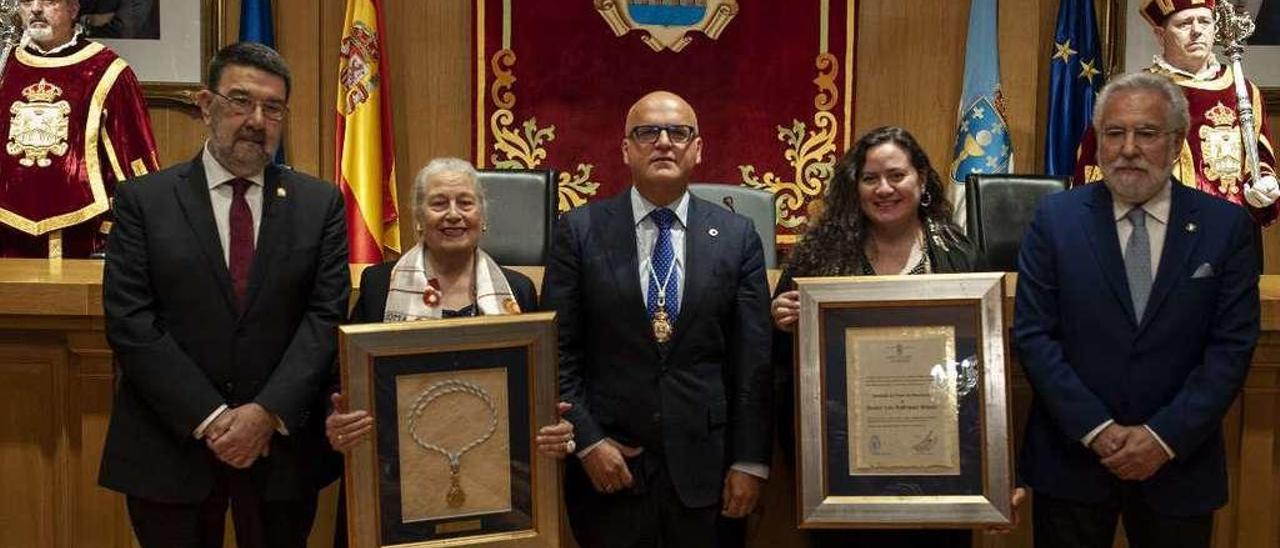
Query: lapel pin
pixel 1191 227
pixel 281 192
pixel 713 232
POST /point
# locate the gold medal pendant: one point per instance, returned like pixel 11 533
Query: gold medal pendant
pixel 456 496
pixel 661 326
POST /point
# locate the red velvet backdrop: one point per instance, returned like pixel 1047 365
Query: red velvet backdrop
pixel 772 91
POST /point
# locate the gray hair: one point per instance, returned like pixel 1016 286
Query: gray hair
pixel 1176 114
pixel 440 166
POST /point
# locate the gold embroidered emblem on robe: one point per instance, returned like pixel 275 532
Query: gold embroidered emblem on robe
pixel 38 128
pixel 1221 150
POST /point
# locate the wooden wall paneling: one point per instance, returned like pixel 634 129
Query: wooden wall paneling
pixel 1257 443
pixel 1023 48
pixel 909 73
pixel 297 39
pixel 1271 236
pixel 99 515
pixel 1224 520
pixel 32 387
pixel 431 56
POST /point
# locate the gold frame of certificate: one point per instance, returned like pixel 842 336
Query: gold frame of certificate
pixel 456 405
pixel 902 402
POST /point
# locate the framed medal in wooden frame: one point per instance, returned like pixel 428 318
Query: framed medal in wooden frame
pixel 902 402
pixel 456 405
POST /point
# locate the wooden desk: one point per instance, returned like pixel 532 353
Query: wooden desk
pixel 56 386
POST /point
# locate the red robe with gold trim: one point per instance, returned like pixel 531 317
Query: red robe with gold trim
pixel 75 125
pixel 1213 157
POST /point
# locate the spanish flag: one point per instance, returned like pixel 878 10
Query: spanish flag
pixel 365 154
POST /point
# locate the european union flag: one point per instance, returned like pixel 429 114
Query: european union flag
pixel 982 142
pixel 256 26
pixel 1075 76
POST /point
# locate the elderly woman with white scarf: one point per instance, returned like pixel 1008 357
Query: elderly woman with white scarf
pixel 445 275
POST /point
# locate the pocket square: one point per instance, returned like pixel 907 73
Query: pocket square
pixel 1205 270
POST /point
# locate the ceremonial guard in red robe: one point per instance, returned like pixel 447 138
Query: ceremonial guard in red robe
pixel 1213 156
pixel 75 125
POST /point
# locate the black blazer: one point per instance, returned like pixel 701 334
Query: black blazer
pixel 375 282
pixel 183 349
pixel 703 399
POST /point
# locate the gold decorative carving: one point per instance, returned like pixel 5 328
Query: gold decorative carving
pixel 575 188
pixel 503 79
pixel 523 146
pixel 519 151
pixel 811 153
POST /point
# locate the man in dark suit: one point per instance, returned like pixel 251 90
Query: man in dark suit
pixel 1136 317
pixel 664 348
pixel 225 280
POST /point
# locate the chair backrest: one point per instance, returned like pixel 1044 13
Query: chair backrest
pixel 999 208
pixel 756 205
pixel 521 212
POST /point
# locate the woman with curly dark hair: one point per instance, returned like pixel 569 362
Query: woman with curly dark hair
pixel 886 213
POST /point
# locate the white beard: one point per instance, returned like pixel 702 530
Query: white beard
pixel 40 34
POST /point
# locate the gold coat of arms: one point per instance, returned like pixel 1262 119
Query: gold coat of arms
pixel 38 128
pixel 667 23
pixel 1221 149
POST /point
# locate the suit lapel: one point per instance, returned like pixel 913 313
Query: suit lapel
pixel 1100 228
pixel 276 211
pixel 1179 240
pixel 619 229
pixel 699 259
pixel 192 192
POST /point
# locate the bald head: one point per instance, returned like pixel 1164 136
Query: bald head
pixel 661 101
pixel 663 153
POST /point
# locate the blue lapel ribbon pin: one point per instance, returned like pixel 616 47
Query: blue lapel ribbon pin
pixel 713 232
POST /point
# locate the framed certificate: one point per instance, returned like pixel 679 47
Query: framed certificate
pixel 456 405
pixel 903 405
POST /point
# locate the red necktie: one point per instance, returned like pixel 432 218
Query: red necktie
pixel 241 240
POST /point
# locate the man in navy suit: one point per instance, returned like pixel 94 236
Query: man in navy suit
pixel 663 310
pixel 225 281
pixel 1136 317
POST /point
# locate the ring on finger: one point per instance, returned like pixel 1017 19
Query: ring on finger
pixel 569 446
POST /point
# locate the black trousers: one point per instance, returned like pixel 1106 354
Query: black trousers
pixel 1061 523
pixel 258 523
pixel 647 515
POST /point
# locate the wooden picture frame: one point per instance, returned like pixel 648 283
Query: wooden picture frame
pixel 864 440
pixel 465 394
pixel 171 67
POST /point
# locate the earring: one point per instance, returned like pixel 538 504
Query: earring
pixel 484 228
pixel 926 199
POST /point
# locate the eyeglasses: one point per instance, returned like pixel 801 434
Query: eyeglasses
pixel 244 106
pixel 649 134
pixel 1143 137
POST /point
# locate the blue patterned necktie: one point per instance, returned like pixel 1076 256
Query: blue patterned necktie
pixel 662 264
pixel 1137 261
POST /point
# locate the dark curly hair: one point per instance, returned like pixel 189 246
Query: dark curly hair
pixel 835 243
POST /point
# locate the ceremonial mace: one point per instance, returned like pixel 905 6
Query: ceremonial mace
pixel 10 31
pixel 1233 28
